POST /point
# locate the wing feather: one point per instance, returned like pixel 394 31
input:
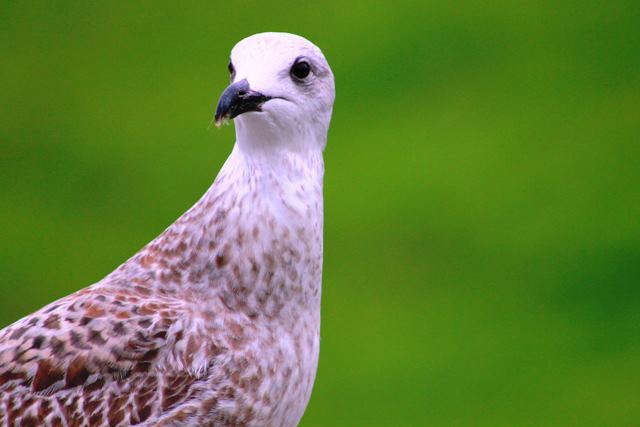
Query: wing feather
pixel 100 355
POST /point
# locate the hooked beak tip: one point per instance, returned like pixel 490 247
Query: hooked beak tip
pixel 221 120
pixel 237 99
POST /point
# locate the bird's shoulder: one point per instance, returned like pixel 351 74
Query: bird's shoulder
pixel 105 355
pixel 96 334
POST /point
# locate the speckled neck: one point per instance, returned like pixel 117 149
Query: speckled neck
pixel 253 241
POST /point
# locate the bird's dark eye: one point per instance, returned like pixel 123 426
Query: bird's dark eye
pixel 232 70
pixel 300 69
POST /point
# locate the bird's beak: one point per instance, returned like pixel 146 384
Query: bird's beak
pixel 237 99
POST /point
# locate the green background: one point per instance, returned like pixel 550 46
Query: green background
pixel 482 234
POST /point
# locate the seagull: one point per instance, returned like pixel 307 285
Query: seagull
pixel 216 322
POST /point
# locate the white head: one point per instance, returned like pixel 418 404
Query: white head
pixel 281 94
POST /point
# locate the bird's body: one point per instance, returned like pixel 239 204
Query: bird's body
pixel 216 321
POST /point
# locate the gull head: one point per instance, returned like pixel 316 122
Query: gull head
pixel 281 93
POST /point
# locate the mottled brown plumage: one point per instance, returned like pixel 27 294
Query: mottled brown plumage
pixel 216 321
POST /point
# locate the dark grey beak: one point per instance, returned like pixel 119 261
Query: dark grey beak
pixel 237 99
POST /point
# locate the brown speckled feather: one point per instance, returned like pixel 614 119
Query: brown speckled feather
pixel 67 355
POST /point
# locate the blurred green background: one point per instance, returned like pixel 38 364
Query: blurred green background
pixel 482 258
